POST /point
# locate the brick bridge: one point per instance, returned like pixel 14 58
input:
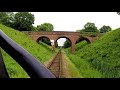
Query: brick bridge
pixel 55 35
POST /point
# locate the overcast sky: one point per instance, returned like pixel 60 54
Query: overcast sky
pixel 72 21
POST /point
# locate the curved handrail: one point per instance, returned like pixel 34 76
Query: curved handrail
pixel 29 63
pixel 3 71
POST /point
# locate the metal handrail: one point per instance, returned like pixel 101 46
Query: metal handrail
pixel 29 63
pixel 3 71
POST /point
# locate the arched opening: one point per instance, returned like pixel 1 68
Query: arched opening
pixel 81 42
pixel 83 39
pixel 44 39
pixel 63 42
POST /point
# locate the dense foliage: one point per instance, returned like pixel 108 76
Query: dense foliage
pixel 45 40
pixel 90 27
pixel 7 18
pixel 67 43
pixel 45 27
pixel 105 29
pixel 21 21
pixel 24 21
pixel 99 59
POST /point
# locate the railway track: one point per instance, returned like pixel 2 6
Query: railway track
pixel 55 65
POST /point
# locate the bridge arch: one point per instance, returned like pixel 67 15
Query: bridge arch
pixel 72 40
pixel 55 35
pixel 63 37
pixel 41 38
pixel 82 38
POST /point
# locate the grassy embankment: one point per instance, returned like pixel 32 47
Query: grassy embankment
pixel 101 59
pixel 42 52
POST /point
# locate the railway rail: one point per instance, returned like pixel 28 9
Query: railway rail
pixel 56 65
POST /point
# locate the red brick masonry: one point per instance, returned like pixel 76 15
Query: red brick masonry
pixel 55 35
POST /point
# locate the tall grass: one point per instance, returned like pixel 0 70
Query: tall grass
pixel 41 52
pixel 103 56
pixel 69 67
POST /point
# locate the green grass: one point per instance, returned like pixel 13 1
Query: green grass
pixel 41 52
pixel 71 68
pixel 99 59
pixel 84 67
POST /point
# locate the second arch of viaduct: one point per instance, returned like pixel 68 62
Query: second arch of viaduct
pixel 55 35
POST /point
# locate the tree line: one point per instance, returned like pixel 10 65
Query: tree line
pixel 23 21
pixel 89 28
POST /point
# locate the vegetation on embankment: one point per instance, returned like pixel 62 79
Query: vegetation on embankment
pixel 100 59
pixel 68 68
pixel 41 52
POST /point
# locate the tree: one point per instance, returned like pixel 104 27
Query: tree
pixel 67 44
pixel 34 28
pixel 7 18
pixel 104 29
pixel 46 40
pixel 24 21
pixel 90 27
pixel 45 27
